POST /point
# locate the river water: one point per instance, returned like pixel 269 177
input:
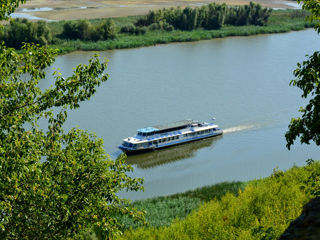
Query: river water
pixel 242 81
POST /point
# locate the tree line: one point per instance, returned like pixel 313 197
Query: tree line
pixel 20 31
pixel 84 30
pixel 212 16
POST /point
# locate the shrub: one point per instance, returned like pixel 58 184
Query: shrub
pixel 20 31
pixel 141 30
pixel 262 211
pixel 83 30
pixel 130 28
pixel 77 30
pixel 211 16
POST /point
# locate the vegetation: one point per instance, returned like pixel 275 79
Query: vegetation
pixel 8 7
pixel 125 32
pixel 211 16
pixel 54 184
pixel 162 211
pixel 263 210
pixel 308 80
pixel 20 31
pixel 160 33
pixel 83 30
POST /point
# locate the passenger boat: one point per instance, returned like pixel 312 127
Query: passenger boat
pixel 161 136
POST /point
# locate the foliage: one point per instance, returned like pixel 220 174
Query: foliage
pixel 20 31
pixel 84 30
pixel 252 14
pixel 53 183
pixel 77 30
pixel 161 211
pixel 307 127
pixel 217 191
pixel 8 7
pixel 162 26
pixel 211 16
pixel 279 21
pixel 263 210
pixel 132 29
pixel 313 182
pixel 313 6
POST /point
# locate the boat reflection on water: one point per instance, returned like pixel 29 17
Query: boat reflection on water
pixel 171 154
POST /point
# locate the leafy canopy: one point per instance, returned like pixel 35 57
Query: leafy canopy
pixel 8 7
pixel 54 184
pixel 307 127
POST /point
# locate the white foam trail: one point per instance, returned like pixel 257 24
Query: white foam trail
pixel 239 128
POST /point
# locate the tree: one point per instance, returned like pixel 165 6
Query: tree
pixel 20 31
pixel 307 127
pixel 54 184
pixel 108 30
pixel 8 7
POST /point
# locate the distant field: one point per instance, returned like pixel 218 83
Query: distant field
pixel 92 9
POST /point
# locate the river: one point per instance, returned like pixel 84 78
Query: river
pixel 242 81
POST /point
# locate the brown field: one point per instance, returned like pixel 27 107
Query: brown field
pixel 89 9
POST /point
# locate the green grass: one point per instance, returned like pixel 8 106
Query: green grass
pixel 162 211
pixel 280 21
pixel 263 210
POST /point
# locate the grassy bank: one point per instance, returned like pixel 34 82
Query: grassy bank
pixel 162 211
pixel 259 209
pixel 280 21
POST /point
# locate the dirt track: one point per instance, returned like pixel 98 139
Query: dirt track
pixel 76 9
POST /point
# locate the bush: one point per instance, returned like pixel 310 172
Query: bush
pixel 20 31
pixel 162 25
pixel 77 30
pixel 211 16
pixel 141 30
pixel 262 211
pixel 130 28
pixel 83 30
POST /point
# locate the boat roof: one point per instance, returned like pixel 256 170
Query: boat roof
pixel 163 127
pixel 174 124
pixel 148 130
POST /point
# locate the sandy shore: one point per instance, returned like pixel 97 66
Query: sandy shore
pixel 89 9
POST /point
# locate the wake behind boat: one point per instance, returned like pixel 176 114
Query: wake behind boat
pixel 152 138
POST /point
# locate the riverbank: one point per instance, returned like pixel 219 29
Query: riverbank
pixel 280 21
pixel 254 210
